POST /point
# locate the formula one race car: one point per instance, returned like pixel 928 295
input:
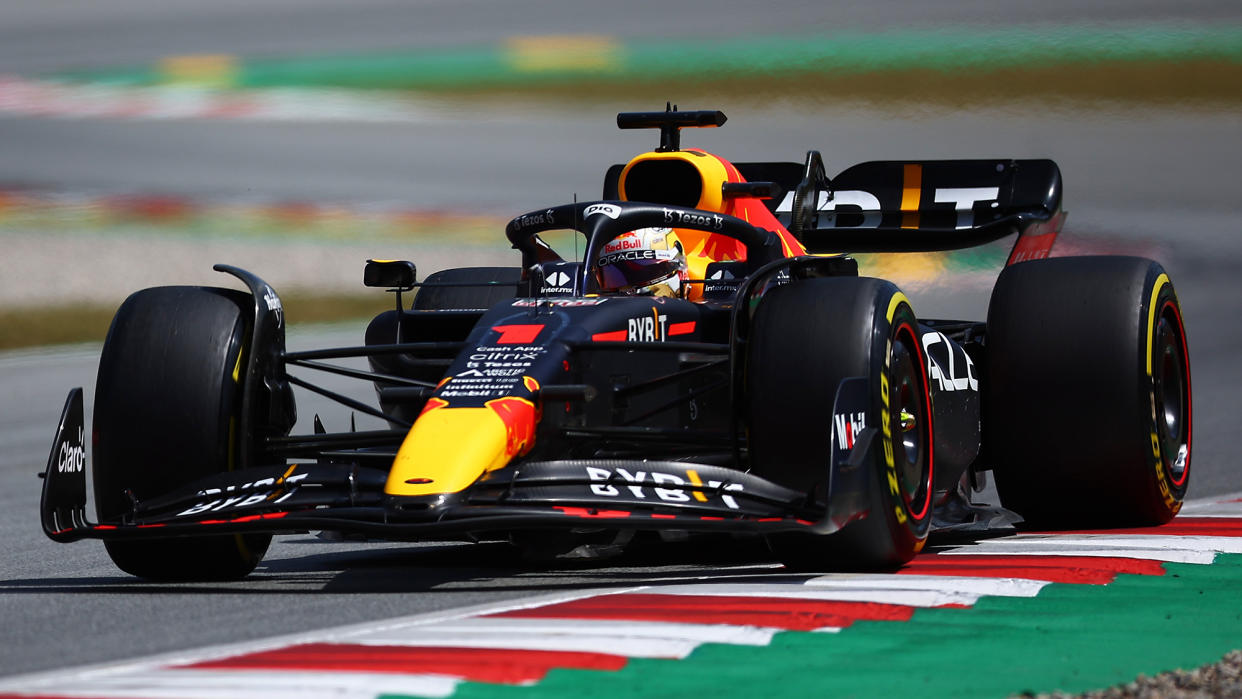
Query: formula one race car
pixel 714 364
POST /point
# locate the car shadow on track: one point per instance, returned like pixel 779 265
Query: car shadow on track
pixel 310 565
pixel 502 567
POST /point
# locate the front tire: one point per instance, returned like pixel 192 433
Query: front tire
pixel 807 338
pixel 167 401
pixel 1087 399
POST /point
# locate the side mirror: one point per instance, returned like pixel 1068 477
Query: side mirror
pixel 390 274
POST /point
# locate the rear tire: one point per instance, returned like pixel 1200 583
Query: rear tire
pixel 495 284
pixel 166 404
pixel 1087 399
pixel 808 337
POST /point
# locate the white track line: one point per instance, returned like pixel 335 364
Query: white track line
pixel 635 639
pixel 232 684
pixel 1189 542
pixel 968 588
pixel 1170 549
pixel 912 595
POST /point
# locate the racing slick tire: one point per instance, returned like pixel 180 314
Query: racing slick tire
pixel 166 403
pixel 1087 409
pixel 806 339
pixel 494 284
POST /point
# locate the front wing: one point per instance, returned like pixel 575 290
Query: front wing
pixel 563 494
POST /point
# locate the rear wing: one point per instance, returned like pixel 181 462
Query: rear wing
pixel 914 206
pixel 887 206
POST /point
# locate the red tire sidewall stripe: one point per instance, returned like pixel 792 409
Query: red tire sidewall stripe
pixel 931 434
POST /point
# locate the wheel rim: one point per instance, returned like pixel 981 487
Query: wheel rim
pixel 912 427
pixel 1171 391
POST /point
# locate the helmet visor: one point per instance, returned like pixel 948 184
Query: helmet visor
pixel 634 269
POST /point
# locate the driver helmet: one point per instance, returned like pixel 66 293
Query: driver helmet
pixel 643 262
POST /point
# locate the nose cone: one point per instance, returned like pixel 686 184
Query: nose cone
pixel 449 448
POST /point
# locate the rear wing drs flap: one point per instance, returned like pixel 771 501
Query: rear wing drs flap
pixel 914 206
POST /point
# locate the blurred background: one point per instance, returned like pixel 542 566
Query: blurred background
pixel 141 141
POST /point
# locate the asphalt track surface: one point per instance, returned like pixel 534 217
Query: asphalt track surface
pixel 1160 181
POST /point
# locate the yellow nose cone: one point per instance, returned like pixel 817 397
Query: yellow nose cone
pixel 448 449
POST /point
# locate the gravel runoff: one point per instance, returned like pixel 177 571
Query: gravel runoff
pixel 1222 679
